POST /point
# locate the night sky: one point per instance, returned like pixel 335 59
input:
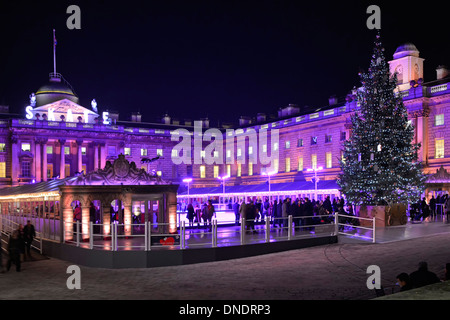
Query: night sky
pixel 215 59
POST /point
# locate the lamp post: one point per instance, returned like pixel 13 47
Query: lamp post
pixel 315 179
pixel 188 181
pixel 269 174
pixel 223 178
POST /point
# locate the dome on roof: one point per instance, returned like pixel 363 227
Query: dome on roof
pixel 406 49
pixel 55 90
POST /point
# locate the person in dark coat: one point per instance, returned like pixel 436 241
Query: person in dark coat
pixel 423 277
pixel 274 212
pixel 404 282
pixel 190 214
pixel 250 216
pixel 279 212
pixel 14 251
pixel 29 233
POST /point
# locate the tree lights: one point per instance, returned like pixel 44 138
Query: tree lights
pixel 379 164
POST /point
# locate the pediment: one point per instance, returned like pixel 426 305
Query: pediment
pixel 63 106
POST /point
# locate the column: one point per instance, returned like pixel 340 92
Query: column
pixel 127 215
pixel 85 219
pixel 44 160
pixel 37 160
pixel 62 163
pixel 422 133
pixel 14 161
pixel 102 148
pixel 96 147
pixel 79 156
pixel 106 212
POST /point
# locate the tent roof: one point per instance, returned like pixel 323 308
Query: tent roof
pixel 264 187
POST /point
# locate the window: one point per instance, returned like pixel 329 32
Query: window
pixel 83 151
pixel 300 164
pixel 439 148
pixel 328 138
pixel 275 165
pixel 300 143
pixel 127 151
pixel 174 153
pixel 275 146
pixel 216 154
pixel 26 147
pixel 228 153
pixel 49 170
pixel 250 150
pixel 66 150
pixel 143 152
pixel 83 167
pixel 67 170
pixel 239 170
pixel 287 144
pixel 202 172
pixel 328 160
pixel 2 169
pixel 202 154
pixel 250 169
pixel 314 161
pixel 49 149
pixel 159 173
pixel 288 165
pixel 216 171
pixel 2 147
pixel 313 140
pixel 144 166
pixel 439 120
pixel 264 148
pixel 343 136
pixel 228 170
pixel 111 150
pixel 159 152
pixel 26 169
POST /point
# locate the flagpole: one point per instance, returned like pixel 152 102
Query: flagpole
pixel 54 53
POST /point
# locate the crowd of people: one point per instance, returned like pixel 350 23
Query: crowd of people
pixel 19 246
pixel 423 210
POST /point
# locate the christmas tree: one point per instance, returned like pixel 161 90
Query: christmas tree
pixel 379 164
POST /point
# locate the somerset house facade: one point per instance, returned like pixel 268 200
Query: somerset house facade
pixel 55 137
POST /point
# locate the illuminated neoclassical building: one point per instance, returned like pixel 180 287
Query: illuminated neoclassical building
pixel 57 137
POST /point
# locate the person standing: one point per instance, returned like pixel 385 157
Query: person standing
pixel 236 212
pixel 14 251
pixel 190 214
pixel 29 234
pixel 209 213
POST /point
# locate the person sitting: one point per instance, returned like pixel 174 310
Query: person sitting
pixel 423 277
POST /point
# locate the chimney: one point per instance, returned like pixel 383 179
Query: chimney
pixel 205 122
pixel 261 117
pixel 136 117
pixel 243 121
pixel 166 119
pixel 290 110
pixel 333 100
pixel 442 72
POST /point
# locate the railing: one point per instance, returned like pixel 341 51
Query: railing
pixel 7 226
pixel 156 236
pixel 356 227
